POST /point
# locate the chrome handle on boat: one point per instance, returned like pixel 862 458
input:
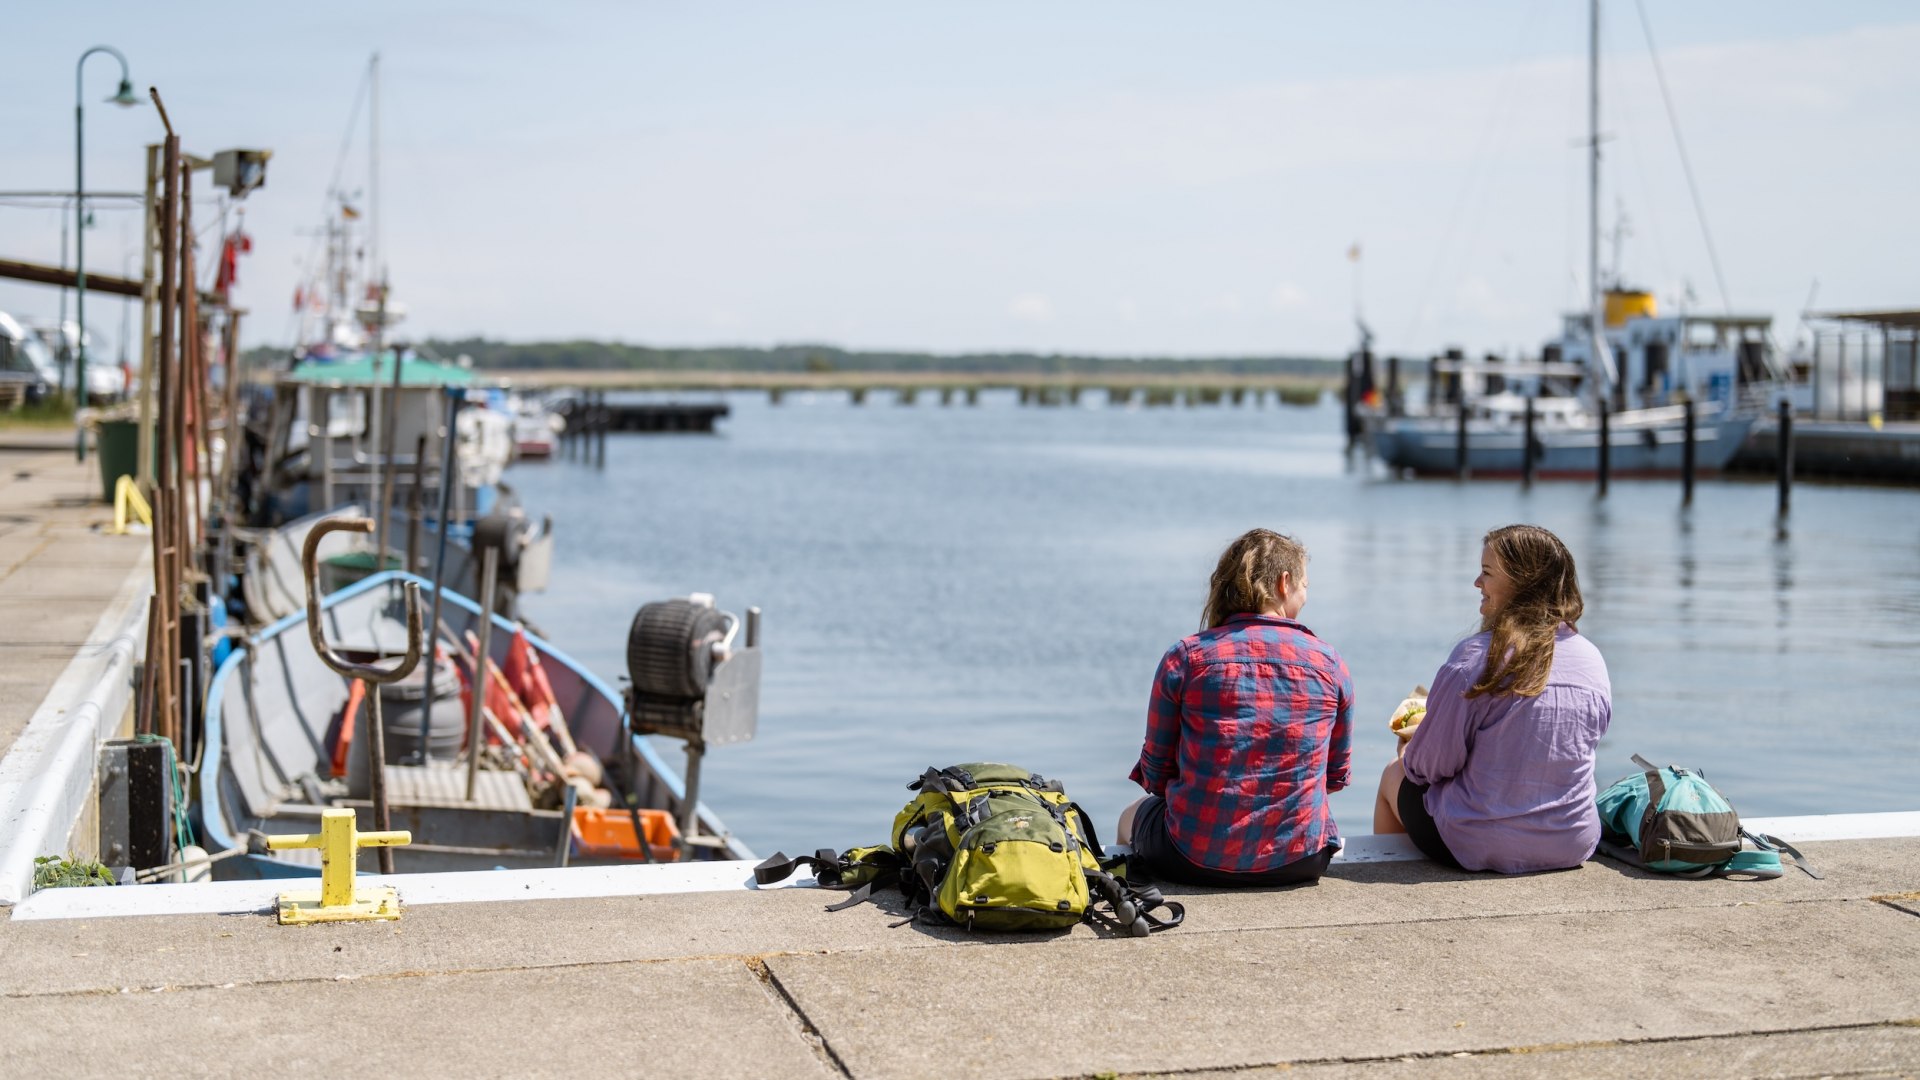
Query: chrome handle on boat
pixel 416 633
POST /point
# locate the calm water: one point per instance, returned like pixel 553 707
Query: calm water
pixel 953 584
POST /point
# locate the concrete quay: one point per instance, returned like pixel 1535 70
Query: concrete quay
pixel 73 615
pixel 1387 968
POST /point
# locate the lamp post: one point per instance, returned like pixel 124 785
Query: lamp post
pixel 124 97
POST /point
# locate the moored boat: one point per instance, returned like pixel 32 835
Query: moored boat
pixel 275 761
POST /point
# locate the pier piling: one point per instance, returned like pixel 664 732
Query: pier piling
pixel 1604 467
pixel 1526 448
pixel 602 418
pixel 1784 451
pixel 1460 470
pixel 1686 460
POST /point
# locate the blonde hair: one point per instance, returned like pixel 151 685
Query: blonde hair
pixel 1546 593
pixel 1244 579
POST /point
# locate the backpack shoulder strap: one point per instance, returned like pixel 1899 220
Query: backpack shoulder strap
pixel 1624 852
pixel 1131 908
pixel 1773 843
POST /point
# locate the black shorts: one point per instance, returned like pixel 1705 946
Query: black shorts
pixel 1155 854
pixel 1420 826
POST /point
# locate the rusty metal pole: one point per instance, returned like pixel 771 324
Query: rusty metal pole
pixel 236 437
pixel 188 371
pixel 160 655
pixel 149 300
pixel 177 434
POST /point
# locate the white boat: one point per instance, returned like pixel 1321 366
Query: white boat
pixel 273 730
pixel 536 428
pixel 1658 388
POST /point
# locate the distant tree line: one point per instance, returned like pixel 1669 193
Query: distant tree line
pixel 615 356
pixel 589 355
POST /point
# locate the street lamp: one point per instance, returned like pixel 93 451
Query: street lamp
pixel 123 97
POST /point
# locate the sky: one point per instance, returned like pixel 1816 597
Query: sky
pixel 1108 178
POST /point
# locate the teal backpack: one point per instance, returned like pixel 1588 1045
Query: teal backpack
pixel 1670 820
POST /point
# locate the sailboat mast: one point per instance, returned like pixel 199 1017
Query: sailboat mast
pixel 1596 315
pixel 373 172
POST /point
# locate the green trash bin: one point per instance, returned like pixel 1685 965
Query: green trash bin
pixel 117 443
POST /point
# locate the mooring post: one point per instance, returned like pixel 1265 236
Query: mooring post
pixel 604 417
pixel 1526 447
pixel 1393 386
pixel 1784 451
pixel 1686 461
pixel 1605 464
pixel 1350 397
pixel 1460 470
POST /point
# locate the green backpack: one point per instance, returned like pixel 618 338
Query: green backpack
pixel 1671 820
pixel 989 847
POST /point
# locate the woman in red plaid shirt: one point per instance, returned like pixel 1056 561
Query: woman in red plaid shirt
pixel 1248 730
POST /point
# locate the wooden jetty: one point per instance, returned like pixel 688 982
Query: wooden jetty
pixel 1034 387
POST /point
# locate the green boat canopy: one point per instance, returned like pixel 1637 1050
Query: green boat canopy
pixel 367 369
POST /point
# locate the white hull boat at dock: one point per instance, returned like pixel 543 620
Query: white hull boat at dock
pixel 1645 442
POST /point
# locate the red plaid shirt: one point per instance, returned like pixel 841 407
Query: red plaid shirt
pixel 1248 729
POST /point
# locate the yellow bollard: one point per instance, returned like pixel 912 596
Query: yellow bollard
pixel 126 494
pixel 339 841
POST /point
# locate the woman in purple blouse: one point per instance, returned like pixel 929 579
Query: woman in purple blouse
pixel 1499 776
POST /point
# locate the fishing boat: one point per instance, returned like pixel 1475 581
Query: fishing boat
pixel 348 435
pixel 1652 393
pixel 274 728
pixel 536 428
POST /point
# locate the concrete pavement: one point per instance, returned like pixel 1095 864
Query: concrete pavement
pixel 58 570
pixel 1596 971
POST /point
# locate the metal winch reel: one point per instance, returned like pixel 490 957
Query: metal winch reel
pixel 694 674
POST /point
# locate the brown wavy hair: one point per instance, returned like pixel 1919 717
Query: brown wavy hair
pixel 1243 581
pixel 1546 593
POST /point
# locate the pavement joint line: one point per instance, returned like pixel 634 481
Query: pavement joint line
pixel 784 1002
pixel 750 959
pixel 1506 1051
pixel 36 553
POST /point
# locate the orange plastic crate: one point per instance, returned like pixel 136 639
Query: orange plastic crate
pixel 608 834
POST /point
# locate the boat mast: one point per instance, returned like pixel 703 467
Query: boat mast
pixel 1596 314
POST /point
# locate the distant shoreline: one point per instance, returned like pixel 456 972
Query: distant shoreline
pixel 820 363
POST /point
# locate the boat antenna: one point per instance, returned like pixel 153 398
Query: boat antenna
pixel 1686 165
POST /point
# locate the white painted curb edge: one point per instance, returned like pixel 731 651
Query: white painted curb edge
pixel 240 897
pixel 45 779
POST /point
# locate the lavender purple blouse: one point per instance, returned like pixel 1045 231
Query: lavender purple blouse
pixel 1510 778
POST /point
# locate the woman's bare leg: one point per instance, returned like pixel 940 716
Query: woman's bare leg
pixel 1124 834
pixel 1386 805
